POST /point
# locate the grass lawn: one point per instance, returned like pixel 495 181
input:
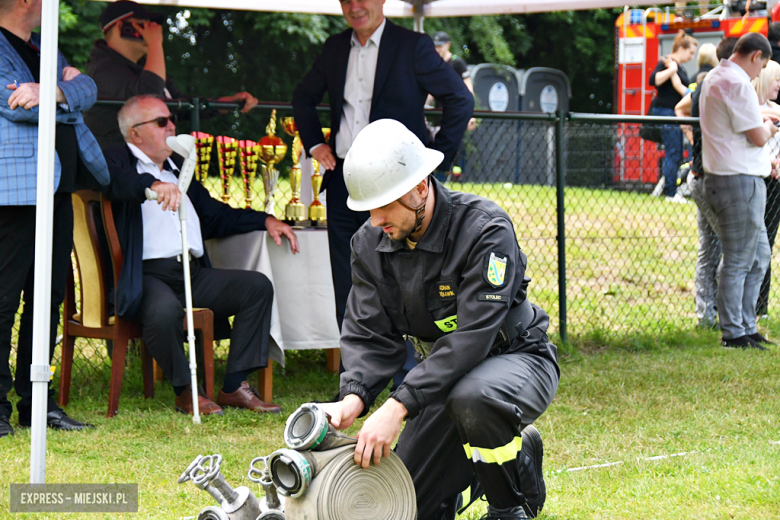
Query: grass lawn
pixel 619 402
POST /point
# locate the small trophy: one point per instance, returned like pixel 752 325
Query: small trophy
pixel 272 150
pixel 249 158
pixel 294 211
pixel 317 212
pixel 203 143
pixel 227 148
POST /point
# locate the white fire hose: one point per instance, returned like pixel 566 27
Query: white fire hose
pixel 325 483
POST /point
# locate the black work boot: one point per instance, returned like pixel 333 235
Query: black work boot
pixel 5 426
pixel 531 478
pixel 510 513
pixel 742 342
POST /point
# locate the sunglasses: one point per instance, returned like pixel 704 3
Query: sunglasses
pixel 162 122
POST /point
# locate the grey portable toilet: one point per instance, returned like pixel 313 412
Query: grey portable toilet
pixel 541 90
pixel 544 90
pixel 491 151
pixel 504 150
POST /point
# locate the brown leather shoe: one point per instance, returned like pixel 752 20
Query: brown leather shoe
pixel 205 405
pixel 247 397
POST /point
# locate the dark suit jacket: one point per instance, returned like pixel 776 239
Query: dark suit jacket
pixel 407 70
pixel 126 191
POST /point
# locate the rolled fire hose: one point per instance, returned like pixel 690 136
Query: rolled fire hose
pixel 327 484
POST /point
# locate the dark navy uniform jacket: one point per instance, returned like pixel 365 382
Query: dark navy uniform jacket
pixel 455 289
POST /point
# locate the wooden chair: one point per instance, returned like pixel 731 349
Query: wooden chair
pixel 93 320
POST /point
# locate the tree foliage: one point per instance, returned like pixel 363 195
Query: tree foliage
pixel 219 52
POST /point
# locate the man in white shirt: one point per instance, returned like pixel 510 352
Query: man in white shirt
pixel 733 136
pixel 151 283
pixel 374 70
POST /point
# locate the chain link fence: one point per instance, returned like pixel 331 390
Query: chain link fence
pixel 589 211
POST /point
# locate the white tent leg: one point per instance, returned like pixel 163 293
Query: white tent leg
pixel 44 228
pixel 418 17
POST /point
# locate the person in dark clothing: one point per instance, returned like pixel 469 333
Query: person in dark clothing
pixel 130 61
pixel 78 163
pixel 767 85
pixel 150 289
pixel 773 35
pixel 671 83
pixel 444 270
pixel 374 70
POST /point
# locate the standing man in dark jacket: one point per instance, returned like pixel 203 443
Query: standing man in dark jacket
pixel 131 62
pixel 372 71
pixel 151 282
pixel 78 162
pixel 444 269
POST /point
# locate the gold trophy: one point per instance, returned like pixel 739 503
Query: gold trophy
pixel 294 211
pixel 272 150
pixel 249 158
pixel 317 213
pixel 227 148
pixel 203 143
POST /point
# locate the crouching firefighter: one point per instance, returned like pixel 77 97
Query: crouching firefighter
pixel 443 269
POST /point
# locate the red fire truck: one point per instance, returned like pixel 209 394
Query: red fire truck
pixel 641 36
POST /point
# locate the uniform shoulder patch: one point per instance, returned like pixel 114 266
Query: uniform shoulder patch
pixel 494 269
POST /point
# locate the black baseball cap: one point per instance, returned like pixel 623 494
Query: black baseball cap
pixel 440 38
pixel 118 11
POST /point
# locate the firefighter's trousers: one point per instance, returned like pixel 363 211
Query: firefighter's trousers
pixel 475 432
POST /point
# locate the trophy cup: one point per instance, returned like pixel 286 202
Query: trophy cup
pixel 294 211
pixel 272 150
pixel 317 213
pixel 203 143
pixel 249 158
pixel 227 148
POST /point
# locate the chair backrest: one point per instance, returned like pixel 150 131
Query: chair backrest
pixel 87 228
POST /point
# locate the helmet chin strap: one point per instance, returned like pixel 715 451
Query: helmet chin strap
pixel 419 212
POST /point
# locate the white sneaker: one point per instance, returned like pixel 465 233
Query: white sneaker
pixel 659 188
pixel 677 199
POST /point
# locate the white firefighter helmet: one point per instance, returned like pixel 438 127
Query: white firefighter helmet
pixel 385 162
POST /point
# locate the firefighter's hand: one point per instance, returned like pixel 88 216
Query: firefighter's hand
pixel 343 413
pixel 378 433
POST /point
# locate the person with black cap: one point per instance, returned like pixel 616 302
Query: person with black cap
pixel 441 40
pixel 130 61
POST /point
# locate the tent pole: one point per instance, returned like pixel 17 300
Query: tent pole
pixel 44 228
pixel 417 9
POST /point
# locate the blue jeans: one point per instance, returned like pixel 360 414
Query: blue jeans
pixel 672 138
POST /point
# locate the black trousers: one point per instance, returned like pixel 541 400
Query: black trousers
pixel 17 268
pixel 772 222
pixel 247 295
pixel 342 224
pixel 452 441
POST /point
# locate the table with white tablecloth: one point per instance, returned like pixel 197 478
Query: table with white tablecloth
pixel 304 308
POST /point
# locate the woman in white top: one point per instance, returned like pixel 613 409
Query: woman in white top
pixel 767 86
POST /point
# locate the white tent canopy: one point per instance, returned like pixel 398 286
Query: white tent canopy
pixel 406 8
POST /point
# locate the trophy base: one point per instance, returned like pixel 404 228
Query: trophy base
pixel 323 223
pixel 297 224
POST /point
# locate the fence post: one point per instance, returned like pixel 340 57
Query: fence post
pixel 560 182
pixel 195 115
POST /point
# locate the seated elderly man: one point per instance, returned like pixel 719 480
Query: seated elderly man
pixel 151 283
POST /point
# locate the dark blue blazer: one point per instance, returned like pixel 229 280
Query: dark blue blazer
pixel 126 191
pixel 407 70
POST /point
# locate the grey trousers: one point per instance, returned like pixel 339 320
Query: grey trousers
pixel 707 258
pixel 738 202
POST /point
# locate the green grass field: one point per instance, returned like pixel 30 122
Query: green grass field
pixel 618 402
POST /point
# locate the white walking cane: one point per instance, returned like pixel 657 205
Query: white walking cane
pixel 184 145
